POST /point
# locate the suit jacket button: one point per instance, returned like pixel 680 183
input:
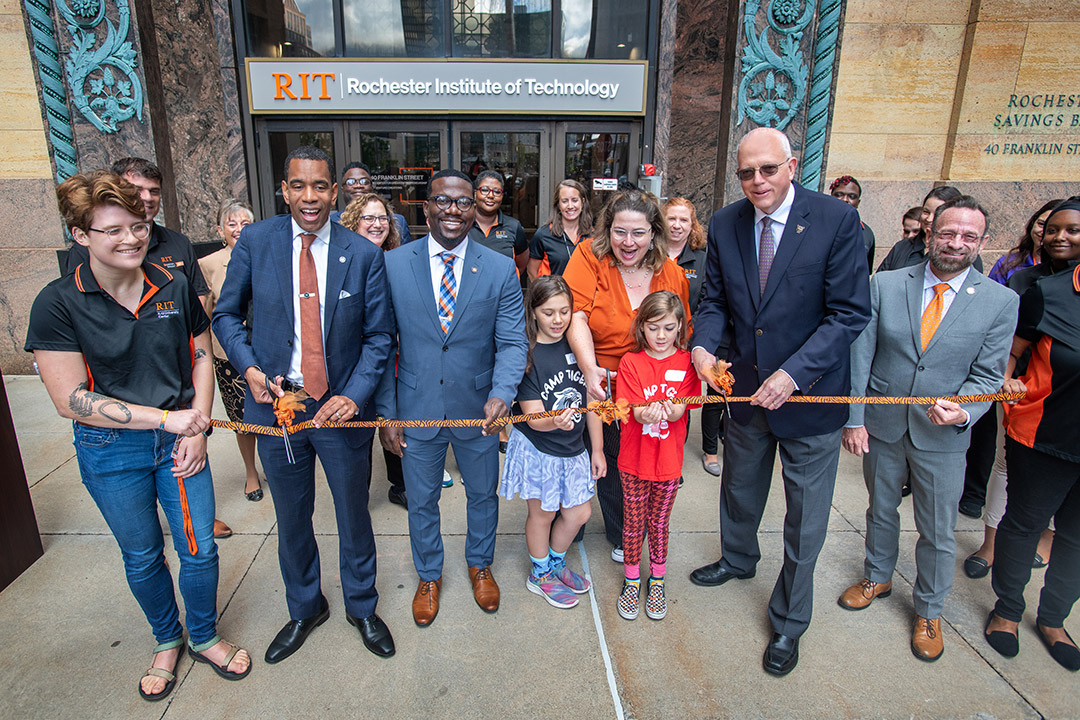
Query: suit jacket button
pixel 755 368
pixel 759 332
pixel 921 368
pixel 444 348
pixel 440 382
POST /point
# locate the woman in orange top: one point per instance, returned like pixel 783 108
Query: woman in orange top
pixel 627 260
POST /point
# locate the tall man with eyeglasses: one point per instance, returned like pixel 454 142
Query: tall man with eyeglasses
pixel 787 267
pixel 938 328
pixel 461 354
pixel 356 181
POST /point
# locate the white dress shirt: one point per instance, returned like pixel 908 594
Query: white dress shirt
pixel 434 248
pixel 930 280
pixel 779 218
pixel 320 249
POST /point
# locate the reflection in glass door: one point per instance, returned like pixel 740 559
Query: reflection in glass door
pixel 401 164
pixel 521 155
pixel 277 140
pixel 600 158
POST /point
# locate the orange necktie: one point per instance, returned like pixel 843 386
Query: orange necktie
pixel 312 359
pixel 931 316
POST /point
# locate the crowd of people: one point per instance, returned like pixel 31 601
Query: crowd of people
pixel 349 318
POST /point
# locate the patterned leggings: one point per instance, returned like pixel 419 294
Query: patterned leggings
pixel 646 503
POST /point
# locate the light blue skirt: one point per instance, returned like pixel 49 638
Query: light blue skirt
pixel 554 481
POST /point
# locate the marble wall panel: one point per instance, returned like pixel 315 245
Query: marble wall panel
pixel 908 11
pixel 697 102
pixel 1025 10
pixel 20 109
pixel 188 53
pixel 230 89
pixel 897 79
pixel 885 155
pixel 24 154
pixel 1051 59
pixel 26 271
pixel 28 215
pixel 664 75
pixel 995 60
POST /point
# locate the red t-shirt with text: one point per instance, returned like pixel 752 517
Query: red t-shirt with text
pixel 654 452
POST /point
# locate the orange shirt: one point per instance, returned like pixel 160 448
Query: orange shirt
pixel 599 292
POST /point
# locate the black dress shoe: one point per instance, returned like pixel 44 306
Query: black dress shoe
pixel 970 508
pixel 397 496
pixel 716 574
pixel 781 656
pixel 374 633
pixel 292 636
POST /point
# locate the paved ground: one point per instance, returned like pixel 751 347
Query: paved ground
pixel 75 643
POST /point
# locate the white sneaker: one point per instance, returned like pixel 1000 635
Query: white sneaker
pixel 447 479
pixel 617 553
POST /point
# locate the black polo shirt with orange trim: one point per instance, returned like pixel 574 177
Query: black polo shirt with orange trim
pixel 167 248
pixel 552 250
pixel 144 358
pixel 1046 419
pixel 506 236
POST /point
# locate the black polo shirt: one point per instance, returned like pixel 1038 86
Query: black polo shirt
pixel 692 263
pixel 167 248
pixel 145 358
pixel 506 236
pixel 556 250
pixel 1045 420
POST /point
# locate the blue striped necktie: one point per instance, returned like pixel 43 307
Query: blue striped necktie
pixel 447 291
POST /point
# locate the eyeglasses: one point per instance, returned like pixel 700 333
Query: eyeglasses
pixel 443 202
pixel 767 170
pixel 949 236
pixel 141 231
pixel 373 219
pixel 349 182
pixel 495 192
pixel 622 233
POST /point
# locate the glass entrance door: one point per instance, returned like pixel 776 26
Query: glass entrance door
pixel 403 154
pixel 521 152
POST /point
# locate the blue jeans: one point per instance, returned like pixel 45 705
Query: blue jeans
pixel 128 472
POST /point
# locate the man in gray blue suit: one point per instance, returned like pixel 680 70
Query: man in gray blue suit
pixel 461 354
pixel 938 328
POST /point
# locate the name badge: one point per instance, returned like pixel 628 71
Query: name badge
pixel 570 359
pixel 675 375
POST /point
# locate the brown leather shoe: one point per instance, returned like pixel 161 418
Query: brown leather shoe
pixel 484 588
pixel 926 641
pixel 221 530
pixel 425 603
pixel 861 594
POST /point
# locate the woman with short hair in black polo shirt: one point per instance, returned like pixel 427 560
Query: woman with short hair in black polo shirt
pixel 1042 451
pixel 123 347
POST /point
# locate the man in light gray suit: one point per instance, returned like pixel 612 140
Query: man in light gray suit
pixel 938 328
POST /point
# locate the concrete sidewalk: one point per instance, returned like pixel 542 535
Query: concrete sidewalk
pixel 75 642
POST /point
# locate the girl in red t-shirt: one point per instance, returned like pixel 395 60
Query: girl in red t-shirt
pixel 651 451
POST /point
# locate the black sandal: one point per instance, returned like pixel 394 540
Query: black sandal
pixel 168 677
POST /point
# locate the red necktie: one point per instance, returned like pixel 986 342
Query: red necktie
pixel 931 316
pixel 312 359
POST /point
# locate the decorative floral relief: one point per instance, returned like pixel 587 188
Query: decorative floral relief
pixel 774 83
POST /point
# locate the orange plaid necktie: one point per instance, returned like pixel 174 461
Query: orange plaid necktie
pixel 931 316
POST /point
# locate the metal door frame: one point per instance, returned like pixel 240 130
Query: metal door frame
pixel 265 186
pixel 630 127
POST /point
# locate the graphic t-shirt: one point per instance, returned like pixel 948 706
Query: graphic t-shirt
pixel 556 381
pixel 654 451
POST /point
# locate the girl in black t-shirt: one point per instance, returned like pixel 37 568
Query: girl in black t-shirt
pixel 546 460
pixel 123 346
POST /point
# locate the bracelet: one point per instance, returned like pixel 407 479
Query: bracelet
pixel 164 414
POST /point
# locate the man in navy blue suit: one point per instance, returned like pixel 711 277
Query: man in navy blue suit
pixel 787 266
pixel 462 346
pixel 321 328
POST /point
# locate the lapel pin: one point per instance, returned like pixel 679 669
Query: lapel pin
pixel 474 268
pixel 971 291
pixel 799 229
pixel 341 259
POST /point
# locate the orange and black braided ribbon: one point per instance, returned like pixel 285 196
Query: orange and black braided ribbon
pixel 609 411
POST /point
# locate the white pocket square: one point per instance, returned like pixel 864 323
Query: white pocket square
pixel 344 294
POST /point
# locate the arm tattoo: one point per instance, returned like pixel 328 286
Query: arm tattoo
pixel 81 401
pixel 200 353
